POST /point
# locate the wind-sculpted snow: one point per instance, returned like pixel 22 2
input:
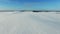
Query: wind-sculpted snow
pixel 29 23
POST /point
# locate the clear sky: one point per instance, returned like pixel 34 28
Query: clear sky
pixel 29 4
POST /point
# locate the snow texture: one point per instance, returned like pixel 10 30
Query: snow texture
pixel 29 23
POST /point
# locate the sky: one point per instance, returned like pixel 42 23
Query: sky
pixel 29 4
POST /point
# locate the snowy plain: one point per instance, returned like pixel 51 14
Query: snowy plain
pixel 29 23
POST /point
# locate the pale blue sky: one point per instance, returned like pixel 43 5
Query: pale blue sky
pixel 30 4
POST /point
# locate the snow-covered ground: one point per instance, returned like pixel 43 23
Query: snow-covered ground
pixel 29 23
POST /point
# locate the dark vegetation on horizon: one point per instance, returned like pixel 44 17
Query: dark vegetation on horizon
pixel 28 11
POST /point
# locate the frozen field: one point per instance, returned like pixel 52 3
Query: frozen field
pixel 29 23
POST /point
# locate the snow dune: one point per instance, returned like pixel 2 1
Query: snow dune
pixel 29 23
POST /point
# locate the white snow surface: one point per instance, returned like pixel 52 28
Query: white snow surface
pixel 29 23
